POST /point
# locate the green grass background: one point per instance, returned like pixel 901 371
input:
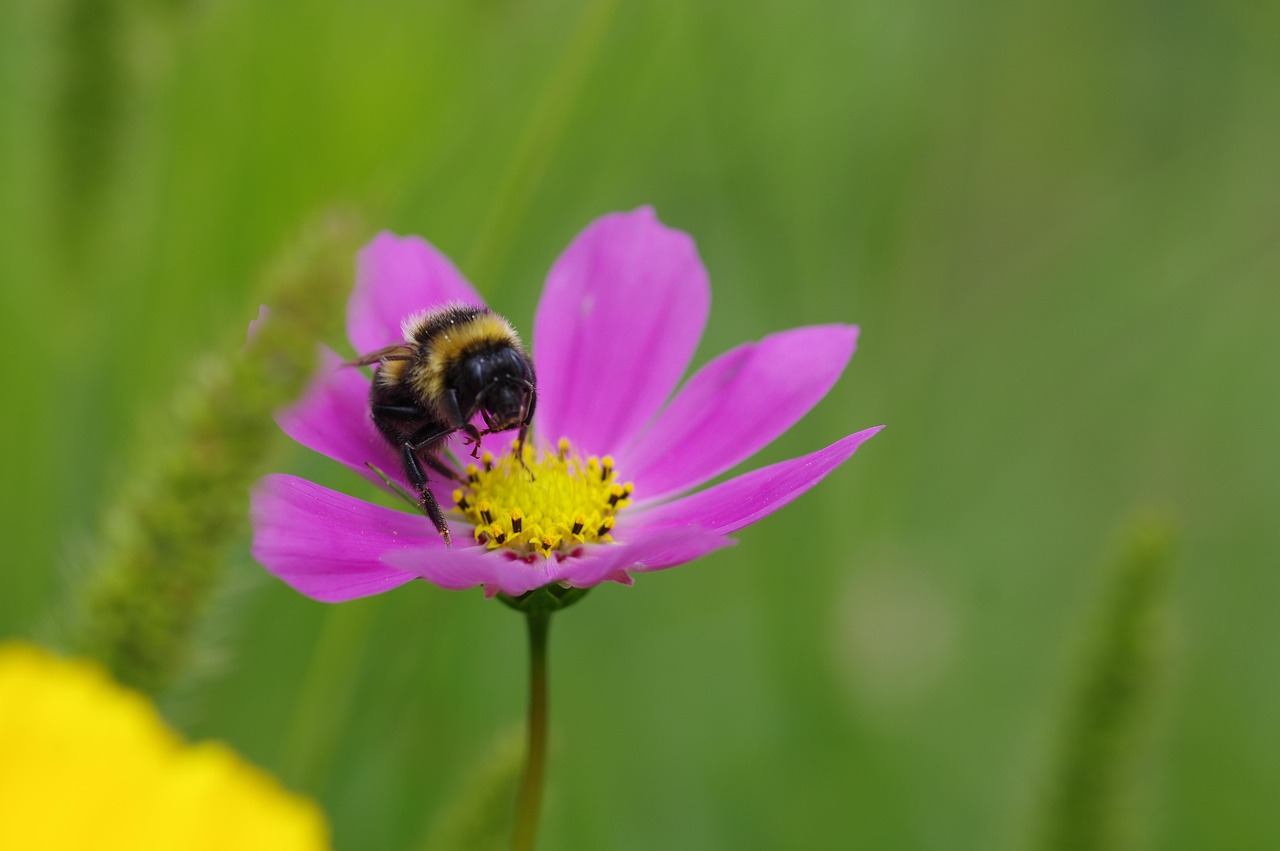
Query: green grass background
pixel 1058 225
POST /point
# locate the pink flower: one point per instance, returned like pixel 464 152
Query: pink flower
pixel 619 319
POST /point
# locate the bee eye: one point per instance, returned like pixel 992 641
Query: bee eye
pixel 476 373
pixel 513 360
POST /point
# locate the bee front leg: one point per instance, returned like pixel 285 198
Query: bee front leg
pixel 525 421
pixel 459 422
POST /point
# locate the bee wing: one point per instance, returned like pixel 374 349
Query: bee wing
pixel 397 352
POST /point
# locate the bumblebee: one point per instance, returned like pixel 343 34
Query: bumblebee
pixel 456 362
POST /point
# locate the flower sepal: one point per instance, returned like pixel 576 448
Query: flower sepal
pixel 544 600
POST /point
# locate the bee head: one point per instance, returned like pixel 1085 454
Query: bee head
pixel 505 404
pixel 500 382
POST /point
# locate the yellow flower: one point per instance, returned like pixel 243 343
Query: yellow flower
pixel 86 763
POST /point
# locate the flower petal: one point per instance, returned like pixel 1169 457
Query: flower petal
pixel 329 545
pixel 741 501
pixel 460 568
pixel 620 317
pixel 457 568
pixel 332 418
pixel 654 549
pixel 395 277
pixel 736 405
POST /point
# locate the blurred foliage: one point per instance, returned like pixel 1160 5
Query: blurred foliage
pixel 154 566
pixel 479 816
pixel 1057 225
pixel 1094 800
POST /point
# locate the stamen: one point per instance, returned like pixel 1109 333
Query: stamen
pixel 567 501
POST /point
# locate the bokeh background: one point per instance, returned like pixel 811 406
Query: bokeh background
pixel 1058 225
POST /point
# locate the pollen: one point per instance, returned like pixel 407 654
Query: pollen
pixel 551 503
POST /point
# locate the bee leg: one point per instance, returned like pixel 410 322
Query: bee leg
pixel 426 499
pixel 432 508
pixel 409 412
pixel 417 412
pixel 458 422
pixel 525 421
pixel 418 477
pixel 445 470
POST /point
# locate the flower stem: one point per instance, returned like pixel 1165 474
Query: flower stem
pixel 530 800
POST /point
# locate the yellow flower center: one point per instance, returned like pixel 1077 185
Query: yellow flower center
pixel 550 503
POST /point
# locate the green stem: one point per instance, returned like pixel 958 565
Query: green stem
pixel 530 800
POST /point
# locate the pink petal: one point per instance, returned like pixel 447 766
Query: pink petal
pixel 620 316
pixel 459 568
pixel 651 549
pixel 332 418
pixel 736 405
pixel 329 545
pixel 397 276
pixel 741 501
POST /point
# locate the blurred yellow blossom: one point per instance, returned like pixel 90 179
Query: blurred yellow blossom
pixel 86 763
